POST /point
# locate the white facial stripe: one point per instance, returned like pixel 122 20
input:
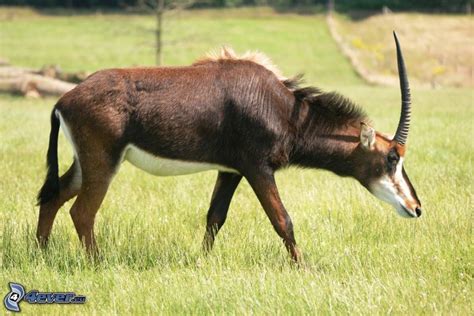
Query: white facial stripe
pixel 402 183
pixel 394 190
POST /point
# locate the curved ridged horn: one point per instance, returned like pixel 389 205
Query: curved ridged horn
pixel 404 123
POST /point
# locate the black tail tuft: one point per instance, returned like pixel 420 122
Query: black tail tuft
pixel 50 188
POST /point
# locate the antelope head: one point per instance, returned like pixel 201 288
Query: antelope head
pixel 384 175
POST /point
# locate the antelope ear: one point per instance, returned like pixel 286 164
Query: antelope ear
pixel 367 136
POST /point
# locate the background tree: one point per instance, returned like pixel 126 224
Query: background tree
pixel 160 7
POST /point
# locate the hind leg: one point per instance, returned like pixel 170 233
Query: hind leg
pixel 69 184
pixel 97 174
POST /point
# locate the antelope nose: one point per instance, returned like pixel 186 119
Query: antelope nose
pixel 418 211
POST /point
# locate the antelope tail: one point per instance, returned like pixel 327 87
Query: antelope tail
pixel 50 188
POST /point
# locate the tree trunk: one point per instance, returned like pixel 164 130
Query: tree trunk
pixel 160 6
pixel 330 6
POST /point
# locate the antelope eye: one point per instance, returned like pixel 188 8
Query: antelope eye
pixel 392 157
pixel 392 160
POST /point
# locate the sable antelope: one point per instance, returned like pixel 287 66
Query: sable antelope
pixel 237 115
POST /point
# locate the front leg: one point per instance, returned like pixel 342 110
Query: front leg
pixel 224 189
pixel 264 186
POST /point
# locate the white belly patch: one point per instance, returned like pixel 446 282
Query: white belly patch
pixel 167 167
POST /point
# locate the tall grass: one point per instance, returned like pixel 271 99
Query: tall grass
pixel 359 256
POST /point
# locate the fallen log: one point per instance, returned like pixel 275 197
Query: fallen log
pixel 29 83
pixel 54 71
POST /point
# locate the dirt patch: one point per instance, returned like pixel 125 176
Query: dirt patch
pixel 438 49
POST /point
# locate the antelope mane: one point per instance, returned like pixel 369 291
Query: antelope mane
pixel 227 53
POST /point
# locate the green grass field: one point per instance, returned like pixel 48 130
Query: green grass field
pixel 359 256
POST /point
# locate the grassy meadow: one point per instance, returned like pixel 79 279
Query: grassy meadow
pixel 359 255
